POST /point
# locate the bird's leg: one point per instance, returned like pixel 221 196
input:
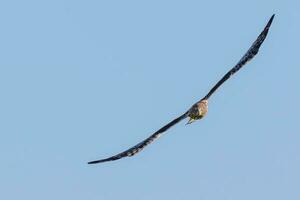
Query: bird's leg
pixel 191 120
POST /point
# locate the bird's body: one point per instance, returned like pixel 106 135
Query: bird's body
pixel 199 109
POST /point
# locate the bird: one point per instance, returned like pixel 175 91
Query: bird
pixel 199 109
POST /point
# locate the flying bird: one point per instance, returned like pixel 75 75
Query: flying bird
pixel 199 109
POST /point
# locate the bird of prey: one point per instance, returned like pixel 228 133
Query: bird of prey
pixel 199 109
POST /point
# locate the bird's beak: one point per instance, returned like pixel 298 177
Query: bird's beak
pixel 191 120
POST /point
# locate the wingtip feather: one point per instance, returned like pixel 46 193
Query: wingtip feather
pixel 270 21
pixel 97 161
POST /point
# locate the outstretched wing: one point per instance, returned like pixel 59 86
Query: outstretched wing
pixel 140 146
pixel 247 57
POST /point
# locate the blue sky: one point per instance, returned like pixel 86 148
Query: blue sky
pixel 83 80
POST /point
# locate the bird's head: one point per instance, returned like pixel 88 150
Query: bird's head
pixel 205 101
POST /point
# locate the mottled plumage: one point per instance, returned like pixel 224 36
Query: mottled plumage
pixel 199 109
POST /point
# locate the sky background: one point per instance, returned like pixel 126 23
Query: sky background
pixel 83 80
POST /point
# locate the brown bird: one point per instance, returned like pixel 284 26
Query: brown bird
pixel 199 109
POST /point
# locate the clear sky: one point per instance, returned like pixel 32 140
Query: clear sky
pixel 83 80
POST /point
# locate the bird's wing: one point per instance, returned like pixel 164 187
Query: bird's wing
pixel 140 146
pixel 247 57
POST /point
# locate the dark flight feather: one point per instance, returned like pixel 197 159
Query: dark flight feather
pixel 253 50
pixel 140 146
